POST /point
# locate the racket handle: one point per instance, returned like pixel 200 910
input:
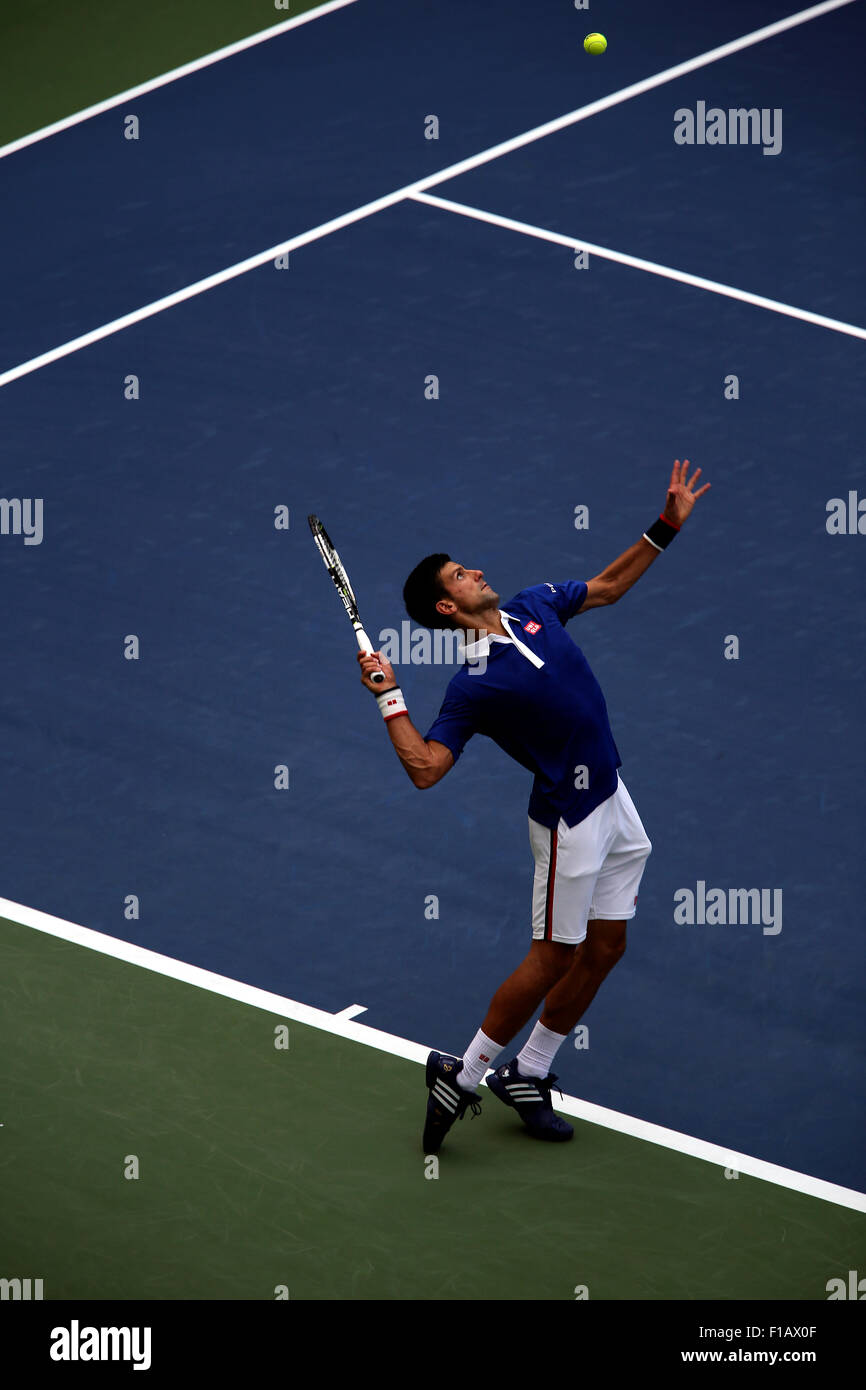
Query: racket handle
pixel 377 677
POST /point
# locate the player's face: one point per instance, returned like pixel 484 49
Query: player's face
pixel 467 588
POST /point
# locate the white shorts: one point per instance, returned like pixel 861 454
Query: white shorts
pixel 590 870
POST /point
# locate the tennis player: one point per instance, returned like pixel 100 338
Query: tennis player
pixel 535 695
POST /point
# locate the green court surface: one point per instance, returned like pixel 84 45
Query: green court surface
pixel 301 1167
pixel 56 59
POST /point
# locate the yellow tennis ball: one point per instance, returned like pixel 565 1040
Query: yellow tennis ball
pixel 595 43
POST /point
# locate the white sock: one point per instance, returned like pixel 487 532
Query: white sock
pixel 538 1053
pixel 479 1055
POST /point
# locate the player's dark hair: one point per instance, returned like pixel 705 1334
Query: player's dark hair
pixel 422 591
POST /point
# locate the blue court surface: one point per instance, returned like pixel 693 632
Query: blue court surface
pixel 558 387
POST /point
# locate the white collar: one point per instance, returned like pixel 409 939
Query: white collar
pixel 482 646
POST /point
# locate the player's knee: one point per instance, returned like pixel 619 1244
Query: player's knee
pixel 605 950
pixel 554 959
pixel 614 951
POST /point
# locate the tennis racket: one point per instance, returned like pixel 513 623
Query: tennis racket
pixel 337 571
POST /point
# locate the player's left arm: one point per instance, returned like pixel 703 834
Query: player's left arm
pixel 628 567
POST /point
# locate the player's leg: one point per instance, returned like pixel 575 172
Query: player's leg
pixel 614 903
pixel 565 881
pixel 572 995
pixel 519 996
pixel 526 1082
pixel 451 1081
pixel 566 864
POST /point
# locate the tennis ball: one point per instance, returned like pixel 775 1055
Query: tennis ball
pixel 595 43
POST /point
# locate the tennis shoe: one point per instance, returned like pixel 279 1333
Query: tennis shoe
pixel 447 1101
pixel 530 1097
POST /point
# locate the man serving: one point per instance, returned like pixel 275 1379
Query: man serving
pixel 526 685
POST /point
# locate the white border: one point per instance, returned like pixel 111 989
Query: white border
pixel 345 1027
pixel 172 76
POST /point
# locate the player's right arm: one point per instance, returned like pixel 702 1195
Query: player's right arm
pixel 425 763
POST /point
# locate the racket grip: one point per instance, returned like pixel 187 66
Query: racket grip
pixel 377 677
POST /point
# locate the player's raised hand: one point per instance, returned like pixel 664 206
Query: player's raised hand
pixel 681 494
pixel 375 661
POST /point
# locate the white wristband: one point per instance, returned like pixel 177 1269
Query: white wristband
pixel 391 703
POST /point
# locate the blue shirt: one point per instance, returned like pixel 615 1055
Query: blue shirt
pixel 542 705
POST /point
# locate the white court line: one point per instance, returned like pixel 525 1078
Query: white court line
pixel 172 76
pixel 713 55
pixel 210 282
pixel 343 1027
pixel 622 259
pixel 400 194
pixel 352 1011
